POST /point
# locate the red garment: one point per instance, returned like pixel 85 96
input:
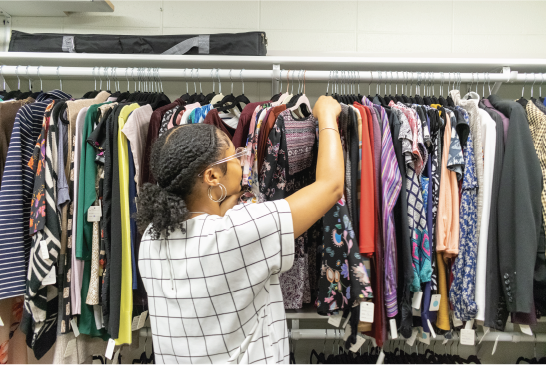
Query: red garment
pixel 241 133
pixel 153 134
pixel 213 118
pixel 264 133
pixel 367 199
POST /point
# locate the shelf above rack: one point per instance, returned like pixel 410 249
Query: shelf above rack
pixel 54 8
pixel 307 62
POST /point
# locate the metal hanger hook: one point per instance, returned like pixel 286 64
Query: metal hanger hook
pixel 29 82
pixel 231 80
pixel 533 85
pixel 18 80
pixel 242 80
pixel 59 76
pixel 523 88
pixel 40 77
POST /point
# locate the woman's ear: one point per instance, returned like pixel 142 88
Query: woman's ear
pixel 211 177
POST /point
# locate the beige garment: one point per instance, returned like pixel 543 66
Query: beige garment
pixel 93 294
pixel 105 107
pixel 470 103
pixel 74 107
pixel 8 111
pixel 447 227
pixel 136 131
pixel 86 347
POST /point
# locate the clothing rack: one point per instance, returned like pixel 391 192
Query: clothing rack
pixel 275 75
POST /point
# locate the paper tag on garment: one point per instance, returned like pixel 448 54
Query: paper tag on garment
pixel 135 323
pixel 435 302
pixel 469 325
pixel 423 336
pixel 381 357
pixel 1 322
pixel 347 333
pixel 51 277
pixel 468 337
pixel 44 252
pixel 110 348
pixel 485 332
pixel 74 325
pixel 526 329
pixel 415 312
pixel 456 321
pixel 70 347
pixel 359 342
pixel 142 319
pixel 495 345
pixel 335 319
pixel 410 341
pixel 366 312
pixel 94 213
pixel 394 331
pixel 444 341
pixel 432 333
pixel 416 300
pixel 346 321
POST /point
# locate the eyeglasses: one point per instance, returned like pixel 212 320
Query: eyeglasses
pixel 240 153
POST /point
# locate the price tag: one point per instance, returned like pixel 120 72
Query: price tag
pixel 135 323
pixel 525 329
pixel 467 337
pixel 142 320
pixel 424 337
pixel 381 357
pixel 435 302
pixel 432 333
pixel 444 341
pixel 456 321
pixel 394 331
pixel 44 252
pixel 359 342
pixel 495 345
pixel 110 348
pixel 366 312
pixel 1 322
pixel 485 332
pixel 416 300
pixel 75 328
pixel 94 213
pixel 347 333
pixel 70 347
pixel 346 320
pixel 410 341
pixel 335 319
pixel 415 312
pixel 51 277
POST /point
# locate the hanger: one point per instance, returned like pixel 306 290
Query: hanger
pixel 238 100
pixel 211 95
pixel 15 93
pixel 302 104
pixel 522 100
pixel 230 102
pixel 289 96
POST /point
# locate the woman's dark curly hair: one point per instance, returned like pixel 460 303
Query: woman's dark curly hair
pixel 178 156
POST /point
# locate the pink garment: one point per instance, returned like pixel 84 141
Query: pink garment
pixel 136 131
pixel 187 109
pixel 76 275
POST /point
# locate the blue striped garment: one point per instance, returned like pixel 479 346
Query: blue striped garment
pixel 16 195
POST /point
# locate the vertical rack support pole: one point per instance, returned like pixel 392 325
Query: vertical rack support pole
pixel 497 85
pixel 275 76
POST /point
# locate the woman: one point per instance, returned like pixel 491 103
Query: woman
pixel 210 267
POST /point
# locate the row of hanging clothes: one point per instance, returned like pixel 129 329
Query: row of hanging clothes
pixel 421 231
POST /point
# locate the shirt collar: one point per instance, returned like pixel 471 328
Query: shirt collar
pixel 54 94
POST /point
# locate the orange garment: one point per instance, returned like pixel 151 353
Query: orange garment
pixel 447 226
pixel 367 188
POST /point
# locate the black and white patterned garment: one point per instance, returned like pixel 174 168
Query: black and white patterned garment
pixel 213 288
pixel 166 119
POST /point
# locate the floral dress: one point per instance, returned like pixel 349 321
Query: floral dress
pixel 462 293
pixel 343 276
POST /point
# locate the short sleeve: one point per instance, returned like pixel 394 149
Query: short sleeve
pixel 265 231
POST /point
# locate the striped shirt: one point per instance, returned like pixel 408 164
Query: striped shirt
pixel 16 195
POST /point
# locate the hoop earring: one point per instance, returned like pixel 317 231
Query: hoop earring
pixel 222 197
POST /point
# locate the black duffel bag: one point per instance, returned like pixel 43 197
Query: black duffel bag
pixel 234 44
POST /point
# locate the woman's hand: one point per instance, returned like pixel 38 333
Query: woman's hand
pixel 326 110
pixel 229 203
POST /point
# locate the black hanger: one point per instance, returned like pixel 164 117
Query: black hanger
pixel 522 100
pixel 212 94
pixel 186 96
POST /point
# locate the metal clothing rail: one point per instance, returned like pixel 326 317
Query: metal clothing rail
pixel 275 75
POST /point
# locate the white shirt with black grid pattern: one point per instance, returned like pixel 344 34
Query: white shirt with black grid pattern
pixel 213 292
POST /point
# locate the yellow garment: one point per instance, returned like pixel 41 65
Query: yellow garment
pixel 442 321
pixel 126 307
pixel 437 106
